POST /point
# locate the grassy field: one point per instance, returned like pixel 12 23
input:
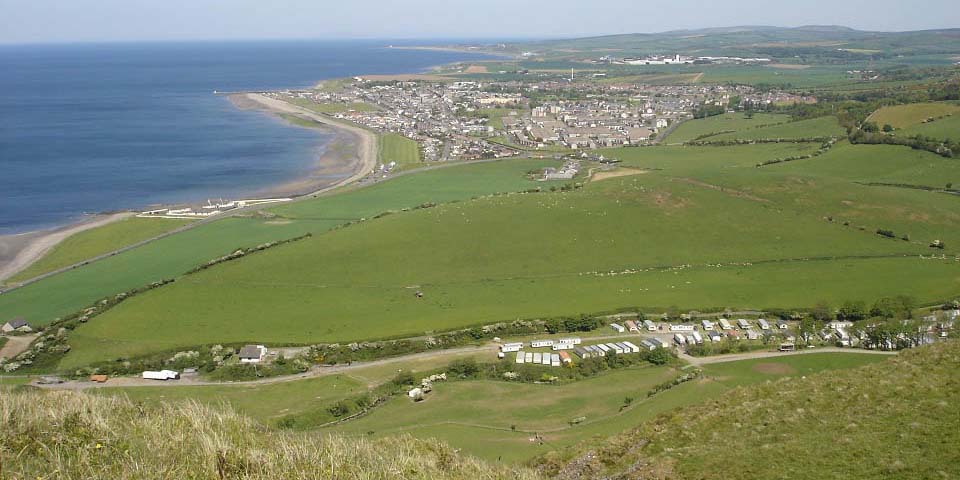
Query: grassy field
pixel 400 149
pixel 331 107
pixel 97 241
pixel 693 129
pixel 903 116
pixel 815 127
pixel 495 420
pixel 943 129
pixel 892 419
pixel 478 266
pixel 43 301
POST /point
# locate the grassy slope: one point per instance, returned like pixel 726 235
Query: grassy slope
pixel 902 116
pixel 400 149
pixel 97 241
pixel 41 302
pixel 943 129
pixel 895 419
pixel 692 129
pixel 480 266
pixel 84 436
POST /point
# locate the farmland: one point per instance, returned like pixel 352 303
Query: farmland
pixel 167 258
pixel 942 129
pixel 816 127
pixel 699 128
pixel 479 265
pixel 90 243
pixel 903 116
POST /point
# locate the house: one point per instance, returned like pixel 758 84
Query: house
pixel 252 353
pixel 16 325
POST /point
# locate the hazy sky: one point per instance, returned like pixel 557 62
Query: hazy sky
pixel 28 21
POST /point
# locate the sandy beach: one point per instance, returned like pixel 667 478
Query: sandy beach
pixel 18 251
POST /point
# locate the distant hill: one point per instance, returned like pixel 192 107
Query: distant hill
pixel 75 435
pixel 893 419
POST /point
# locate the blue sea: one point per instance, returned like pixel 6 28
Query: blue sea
pixel 100 127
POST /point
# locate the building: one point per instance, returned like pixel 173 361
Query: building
pixel 617 327
pixel 252 353
pixel 16 325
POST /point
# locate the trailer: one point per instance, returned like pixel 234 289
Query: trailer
pixel 541 343
pixel 511 347
pixel 680 339
pixel 617 327
pixel 520 357
pixel 651 327
pixel 582 352
pixel 537 357
pixel 161 375
pixel 697 338
pixel 555 359
pixel 633 348
pixel 763 324
pixel 725 325
pixel 528 357
pixel 562 346
pixel 571 340
pixel 707 325
pixel 565 357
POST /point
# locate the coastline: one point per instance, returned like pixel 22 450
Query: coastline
pixel 348 157
pixel 20 250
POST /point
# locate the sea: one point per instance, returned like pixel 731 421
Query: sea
pixel 91 128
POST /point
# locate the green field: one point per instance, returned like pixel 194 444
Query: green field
pixel 400 149
pixel 65 293
pixel 903 116
pixel 97 241
pixel 477 416
pixel 812 128
pixel 943 129
pixel 678 241
pixel 693 129
pixel 331 107
pixel 892 419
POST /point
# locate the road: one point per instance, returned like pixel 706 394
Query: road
pixel 16 344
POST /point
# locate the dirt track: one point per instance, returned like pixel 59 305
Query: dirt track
pixel 15 345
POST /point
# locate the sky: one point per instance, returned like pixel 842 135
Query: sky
pixel 59 21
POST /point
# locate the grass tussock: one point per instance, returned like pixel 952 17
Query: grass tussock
pixel 67 435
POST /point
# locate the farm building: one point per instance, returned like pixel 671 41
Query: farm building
pixel 16 325
pixel 617 327
pixel 652 327
pixel 252 353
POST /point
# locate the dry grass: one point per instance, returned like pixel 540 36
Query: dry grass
pixel 46 435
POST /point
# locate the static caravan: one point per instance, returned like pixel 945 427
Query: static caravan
pixel 743 324
pixel 616 348
pixel 520 357
pixel 787 347
pixel 562 346
pixel 511 347
pixel 537 357
pixel 697 338
pixel 715 336
pixel 528 357
pixel 648 344
pixel 763 324
pixel 596 351
pixel 707 325
pixel 541 343
pixel 680 339
pixel 603 347
pixel 582 352
pixel 661 342
pixel 571 340
pixel 633 348
pixel 617 327
pixel 691 340
pixel 555 360
pixel 724 324
pixel 782 324
pixel 546 359
pixel 652 327
pixel 680 327
pixel 161 375
pixel 565 357
pixel 632 326
pixel 752 334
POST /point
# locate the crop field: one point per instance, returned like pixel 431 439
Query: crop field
pixel 903 116
pixel 65 293
pixel 678 240
pixel 400 149
pixel 694 129
pixel 97 241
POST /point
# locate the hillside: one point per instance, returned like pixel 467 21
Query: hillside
pixel 893 419
pixel 73 435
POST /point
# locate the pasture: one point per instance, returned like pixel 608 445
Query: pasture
pixel 812 128
pixel 947 128
pixel 400 149
pixel 97 241
pixel 65 293
pixel 903 116
pixel 697 129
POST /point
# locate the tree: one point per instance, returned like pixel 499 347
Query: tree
pixel 822 312
pixel 465 367
pixel 853 311
pixel 339 409
pixel 887 128
pixel 659 356
pixel 900 306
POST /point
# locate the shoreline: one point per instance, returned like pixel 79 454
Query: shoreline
pixel 20 250
pixel 346 158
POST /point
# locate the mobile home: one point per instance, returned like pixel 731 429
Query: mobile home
pixel 632 326
pixel 697 338
pixel 582 352
pixel 511 347
pixel 554 359
pixel 680 327
pixel 520 357
pixel 633 348
pixel 541 343
pixel 724 324
pixel 161 375
pixel 651 327
pixel 707 325
pixel 743 324
pixel 617 327
pixel 680 339
pixel 763 324
pixel 571 340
